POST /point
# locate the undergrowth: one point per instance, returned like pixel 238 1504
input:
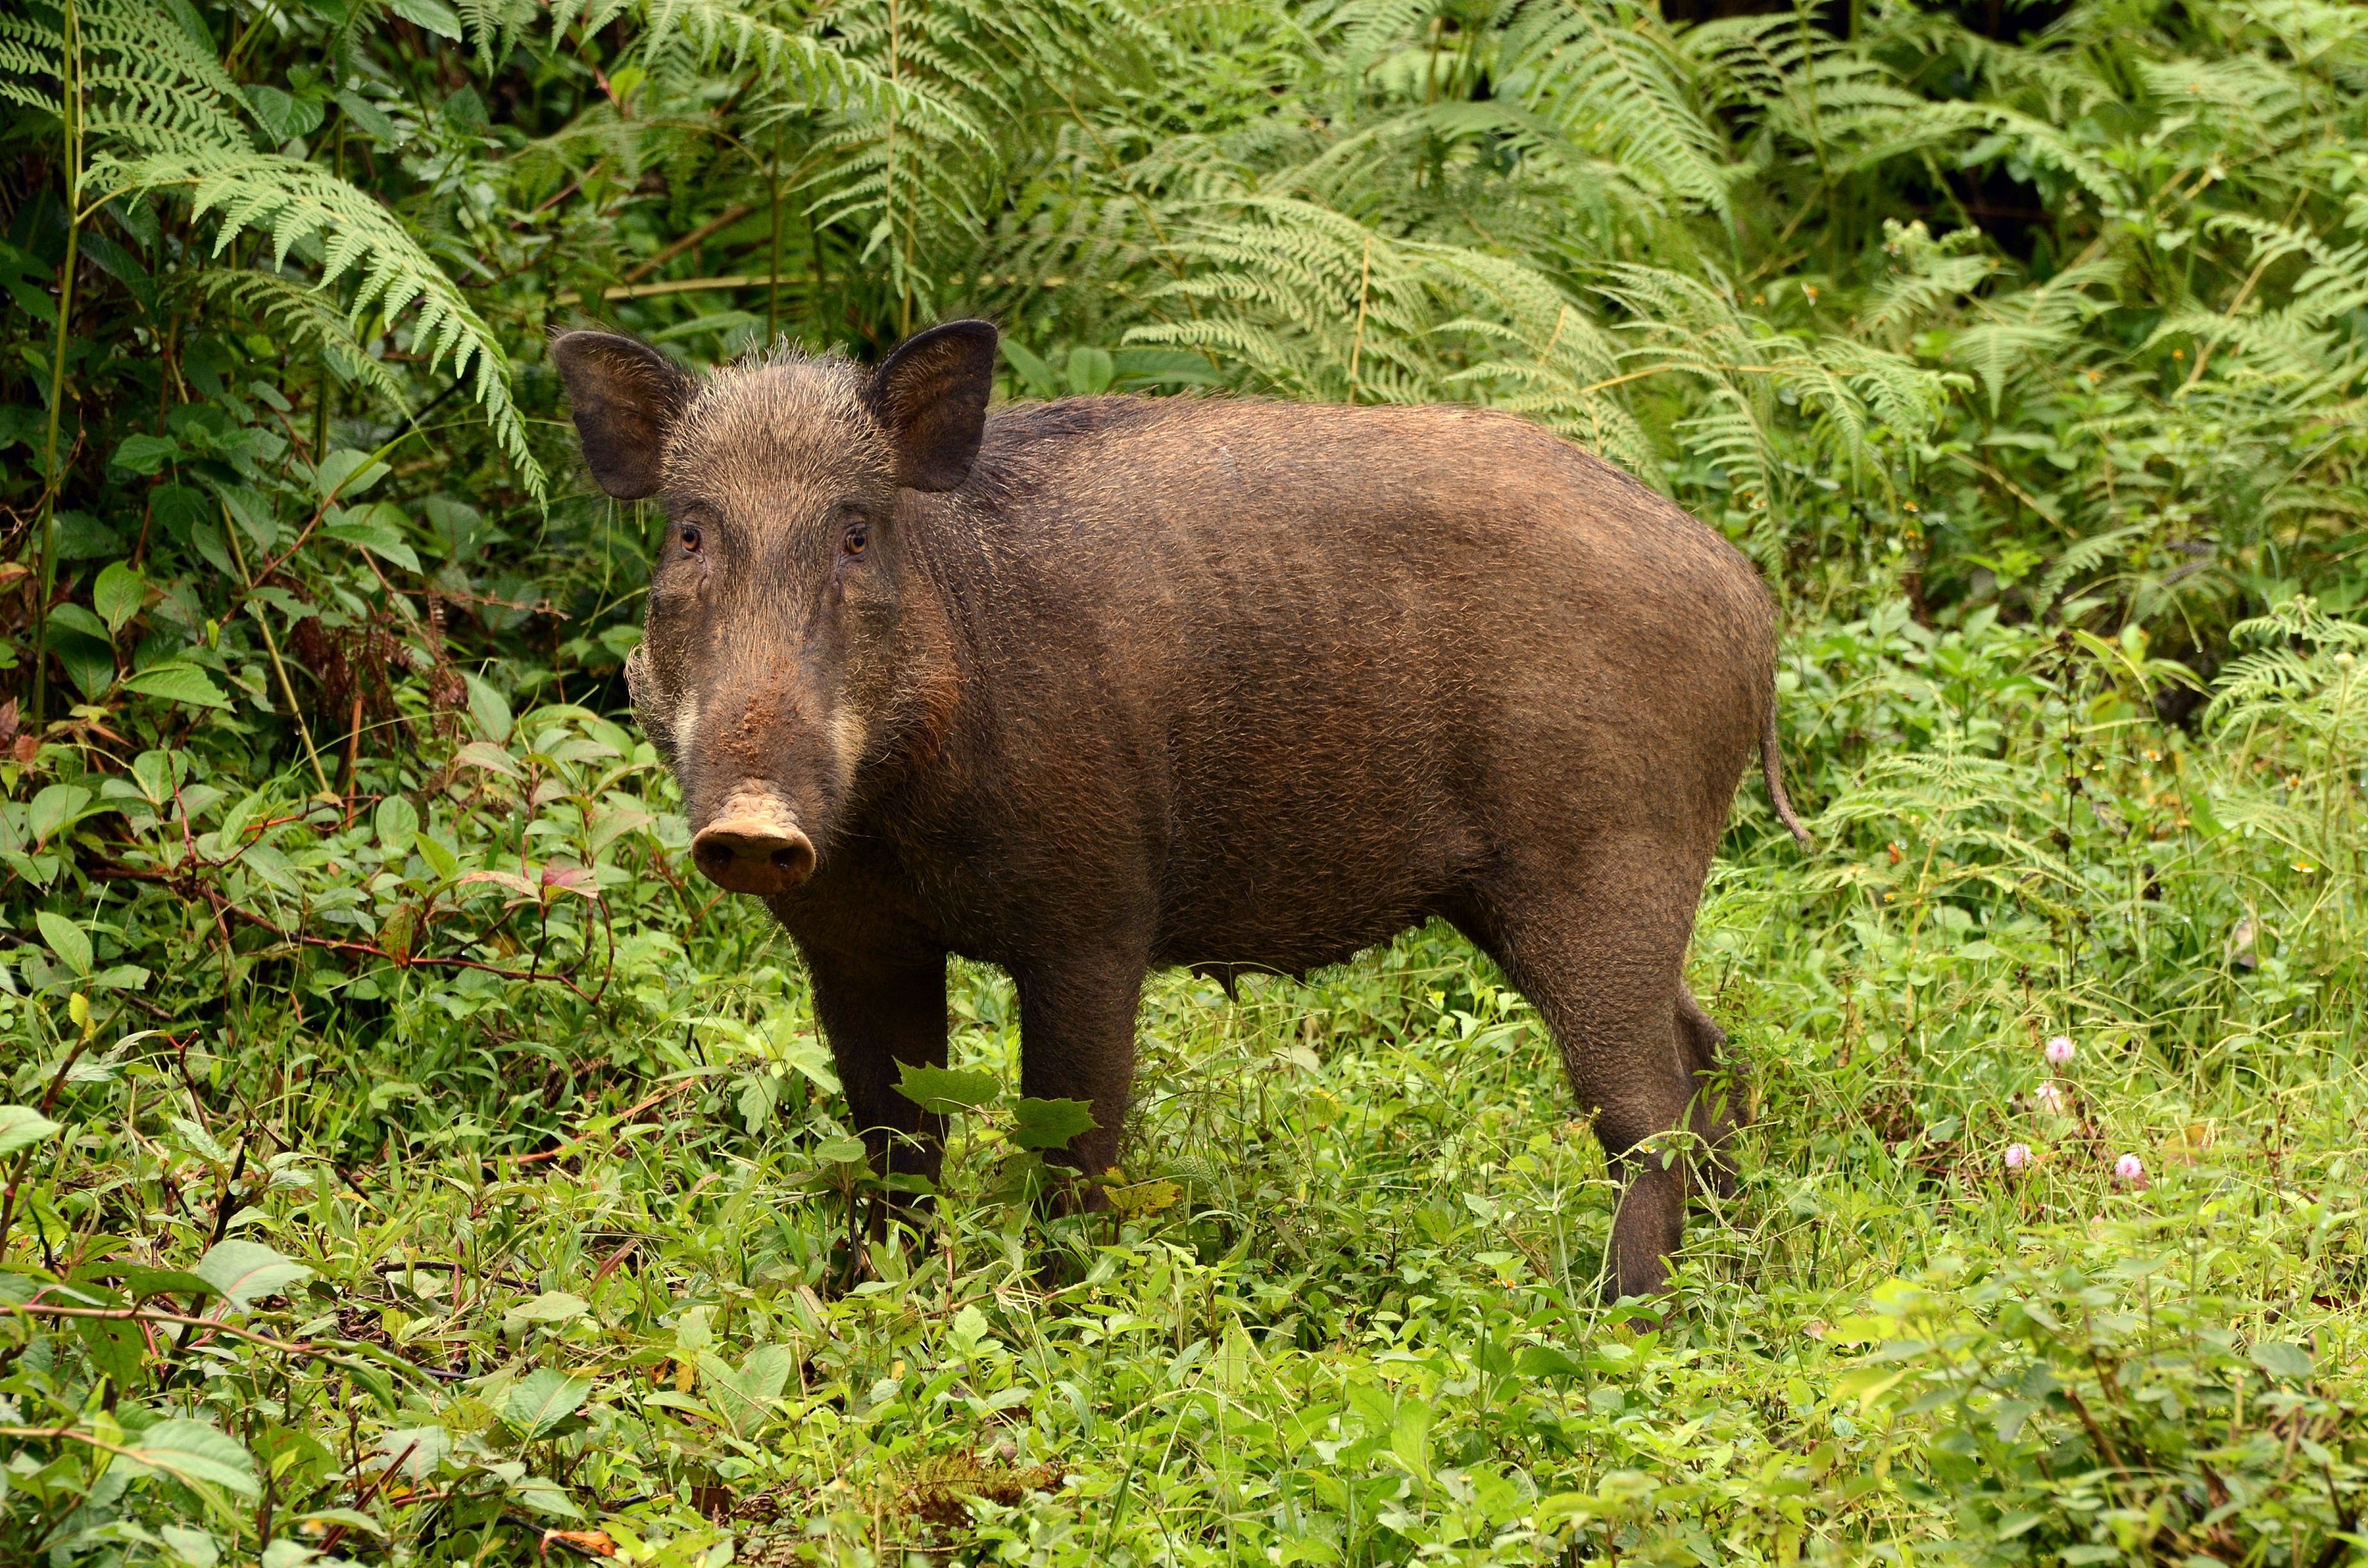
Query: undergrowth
pixel 409 1160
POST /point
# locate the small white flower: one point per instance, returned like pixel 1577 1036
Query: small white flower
pixel 2050 1095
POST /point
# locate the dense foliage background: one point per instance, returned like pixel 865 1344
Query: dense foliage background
pixel 407 1161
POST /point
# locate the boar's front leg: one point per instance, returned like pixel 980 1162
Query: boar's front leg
pixel 878 1011
pixel 1077 1042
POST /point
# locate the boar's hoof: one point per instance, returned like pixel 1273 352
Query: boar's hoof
pixel 750 853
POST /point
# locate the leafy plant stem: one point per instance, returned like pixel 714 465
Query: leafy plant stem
pixel 52 478
pixel 271 646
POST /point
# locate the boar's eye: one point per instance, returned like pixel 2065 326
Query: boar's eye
pixel 691 538
pixel 856 540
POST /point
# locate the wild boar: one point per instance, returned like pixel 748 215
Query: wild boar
pixel 1083 687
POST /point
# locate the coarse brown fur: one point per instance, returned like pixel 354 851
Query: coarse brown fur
pixel 1231 684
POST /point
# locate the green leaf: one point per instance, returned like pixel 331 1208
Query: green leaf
pixel 58 806
pixel 1546 1362
pixel 368 118
pixel 946 1090
pixel 180 683
pixel 397 821
pixel 840 1151
pixel 439 855
pixel 21 1127
pixel 345 474
pixel 742 1395
pixel 119 594
pixel 551 1306
pixel 68 940
pixel 1032 371
pixel 74 617
pixel 433 15
pixel 491 709
pixel 543 1399
pixel 245 1272
pixel 378 529
pixel 1050 1124
pixel 196 1455
pixel 2282 1358
pixel 144 454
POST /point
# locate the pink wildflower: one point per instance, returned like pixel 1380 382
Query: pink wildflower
pixel 2060 1050
pixel 2018 1156
pixel 2129 1169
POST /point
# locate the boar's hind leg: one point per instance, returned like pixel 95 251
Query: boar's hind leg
pixel 1600 955
pixel 1076 1042
pixel 877 1013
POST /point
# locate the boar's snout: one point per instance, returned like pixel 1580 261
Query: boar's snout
pixel 754 846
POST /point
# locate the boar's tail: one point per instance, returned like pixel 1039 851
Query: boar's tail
pixel 1772 768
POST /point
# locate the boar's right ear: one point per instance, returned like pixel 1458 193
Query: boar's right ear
pixel 931 393
pixel 626 396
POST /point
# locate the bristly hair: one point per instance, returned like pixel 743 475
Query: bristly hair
pixel 795 413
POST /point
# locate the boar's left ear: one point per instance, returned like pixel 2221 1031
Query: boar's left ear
pixel 626 396
pixel 931 393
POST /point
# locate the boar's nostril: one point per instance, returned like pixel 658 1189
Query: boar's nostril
pixel 755 854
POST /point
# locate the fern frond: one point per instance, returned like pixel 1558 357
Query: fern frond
pixel 293 200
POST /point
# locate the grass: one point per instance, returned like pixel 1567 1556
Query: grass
pixel 491 1270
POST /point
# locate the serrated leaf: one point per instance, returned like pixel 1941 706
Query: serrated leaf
pixel 1050 1124
pixel 195 1454
pixel 68 940
pixel 247 1271
pixel 543 1399
pixel 946 1090
pixel 178 683
pixel 144 454
pixel 21 1127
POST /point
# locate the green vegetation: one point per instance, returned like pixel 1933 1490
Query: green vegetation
pixel 406 1158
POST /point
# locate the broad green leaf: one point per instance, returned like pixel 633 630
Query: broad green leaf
pixel 193 1547
pixel 743 1394
pixel 432 14
pixel 439 855
pixel 58 806
pixel 196 1454
pixel 1032 371
pixel 345 474
pixel 1050 1124
pixel 491 709
pixel 68 940
pixel 178 683
pixel 21 1127
pixel 378 529
pixel 840 1151
pixel 946 1090
pixel 542 1400
pixel 551 1306
pixel 2282 1358
pixel 144 454
pixel 397 821
pixel 245 1272
pixel 119 594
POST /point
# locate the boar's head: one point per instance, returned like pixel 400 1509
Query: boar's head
pixel 777 656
